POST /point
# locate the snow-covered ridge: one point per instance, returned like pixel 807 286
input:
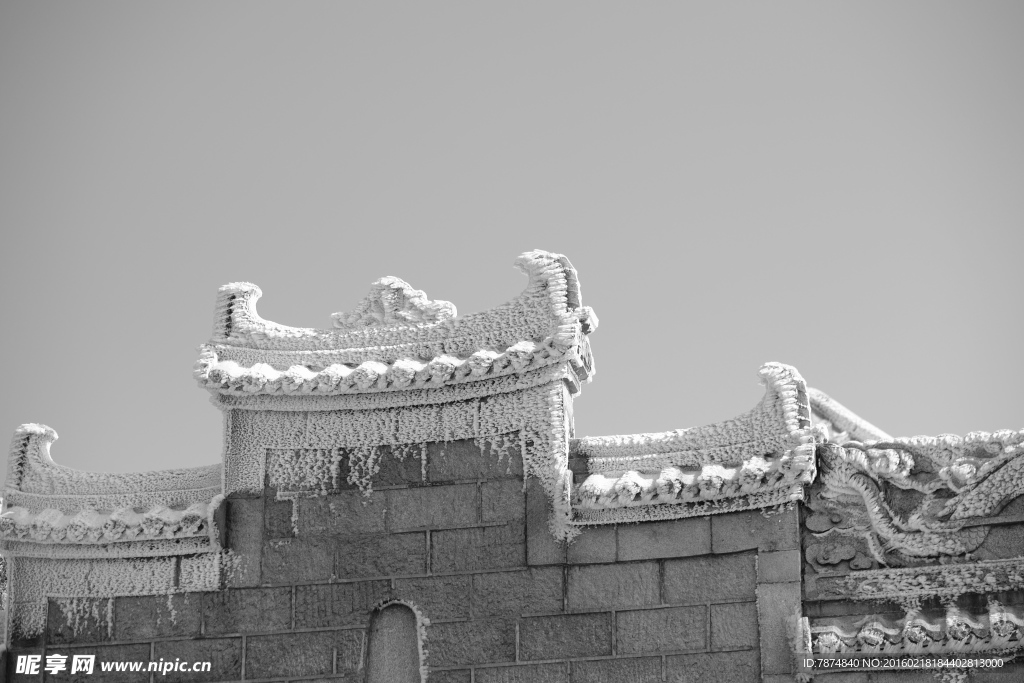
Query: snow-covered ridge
pixel 398 339
pixel 761 458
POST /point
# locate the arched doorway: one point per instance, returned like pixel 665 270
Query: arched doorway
pixel 393 652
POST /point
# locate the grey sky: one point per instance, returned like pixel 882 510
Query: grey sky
pixel 837 186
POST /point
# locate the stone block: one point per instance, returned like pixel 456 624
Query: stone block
pixel 244 538
pixel 464 460
pixel 671 629
pixel 735 531
pixel 224 655
pixel 491 547
pixel 381 555
pixel 247 610
pixel 631 670
pixel 777 605
pixel 533 591
pixel 565 635
pixel 541 546
pixel 277 518
pixel 594 545
pixel 734 626
pixel 290 560
pixel 502 500
pixel 440 598
pixel 843 677
pixel 397 466
pixel 710 578
pixel 338 604
pixel 433 506
pixel 522 673
pixel 480 641
pixel 157 616
pixel 102 653
pixel 343 514
pixel 78 620
pixel 673 538
pixel 300 654
pixel 1008 673
pixel 779 567
pixel 451 676
pixel 908 677
pixel 716 667
pixel 616 586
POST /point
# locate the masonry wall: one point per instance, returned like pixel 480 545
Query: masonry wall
pixel 466 544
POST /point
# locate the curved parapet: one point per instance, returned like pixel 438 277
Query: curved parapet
pixel 47 504
pixel 760 459
pixel 398 339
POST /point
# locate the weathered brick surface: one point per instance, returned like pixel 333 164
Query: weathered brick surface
pixel 438 597
pixel 613 586
pixel 777 603
pixel 103 653
pixel 433 506
pixel 396 466
pixel 83 620
pixel 157 616
pixel 502 500
pixel 541 546
pixel 343 514
pixel 568 635
pixel 451 676
pixel 224 654
pixel 289 560
pixel 717 667
pixel 338 604
pixel 247 610
pixel 463 460
pixel 674 538
pixel 778 567
pixel 1010 672
pixel 671 629
pixel 735 531
pixel 631 670
pixel 595 544
pixel 534 591
pixel 523 673
pixel 471 642
pixel 380 555
pixel 711 578
pixel 905 677
pixel 846 677
pixel 300 654
pixel 492 547
pixel 734 626
pixel 277 518
pixel 245 538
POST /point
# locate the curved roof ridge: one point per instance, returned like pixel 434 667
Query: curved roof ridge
pixel 32 470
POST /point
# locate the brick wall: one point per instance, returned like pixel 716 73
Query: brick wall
pixel 460 538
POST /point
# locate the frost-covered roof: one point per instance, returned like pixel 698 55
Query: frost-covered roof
pixel 1000 629
pixel 397 339
pixel 759 459
pixel 47 503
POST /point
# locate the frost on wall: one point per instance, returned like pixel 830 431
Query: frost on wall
pixel 760 459
pixel 894 502
pixel 396 374
pixel 907 520
pixel 72 534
